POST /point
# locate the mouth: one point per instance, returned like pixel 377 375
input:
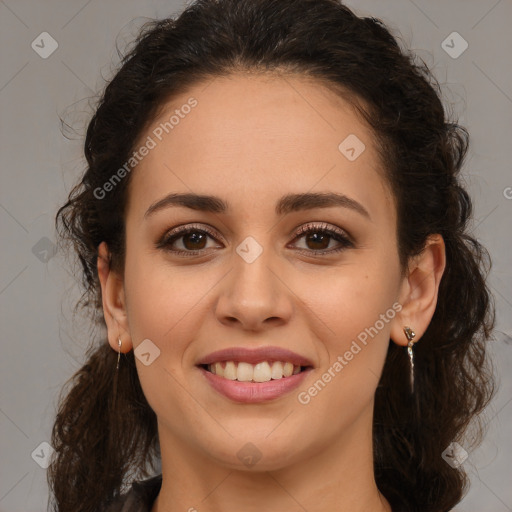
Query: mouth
pixel 254 375
pixel 264 371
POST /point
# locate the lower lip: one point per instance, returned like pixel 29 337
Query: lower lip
pixel 253 392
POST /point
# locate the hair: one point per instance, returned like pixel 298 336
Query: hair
pixel 99 445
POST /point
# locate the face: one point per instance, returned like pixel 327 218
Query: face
pixel 272 270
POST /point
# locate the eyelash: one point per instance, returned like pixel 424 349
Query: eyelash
pixel 337 234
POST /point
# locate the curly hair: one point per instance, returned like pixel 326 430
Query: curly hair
pixel 100 443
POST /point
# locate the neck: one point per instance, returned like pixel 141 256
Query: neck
pixel 335 476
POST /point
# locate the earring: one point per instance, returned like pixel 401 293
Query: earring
pixel 410 335
pixel 114 392
pixel 119 353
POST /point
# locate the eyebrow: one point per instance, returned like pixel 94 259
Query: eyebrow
pixel 286 204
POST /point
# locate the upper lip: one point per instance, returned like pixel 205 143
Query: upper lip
pixel 255 355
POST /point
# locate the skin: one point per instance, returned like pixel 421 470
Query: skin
pixel 250 140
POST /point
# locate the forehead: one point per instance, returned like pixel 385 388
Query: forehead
pixel 252 136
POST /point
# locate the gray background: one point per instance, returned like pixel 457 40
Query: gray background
pixel 41 344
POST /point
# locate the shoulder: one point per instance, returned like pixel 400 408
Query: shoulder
pixel 139 498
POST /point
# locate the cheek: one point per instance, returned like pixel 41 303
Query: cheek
pixel 163 306
pixel 350 315
pixel 350 309
pixel 158 295
pixel 347 299
pixel 163 301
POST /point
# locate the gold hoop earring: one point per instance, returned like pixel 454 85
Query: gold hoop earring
pixel 410 335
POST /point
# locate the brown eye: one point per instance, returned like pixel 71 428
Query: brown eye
pixel 318 238
pixel 194 240
pixel 187 241
pixel 317 241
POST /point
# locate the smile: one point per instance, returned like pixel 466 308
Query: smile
pixel 253 375
pixel 264 371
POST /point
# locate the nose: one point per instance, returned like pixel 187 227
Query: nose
pixel 254 296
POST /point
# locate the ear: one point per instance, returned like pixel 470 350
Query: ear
pixel 419 291
pixel 114 304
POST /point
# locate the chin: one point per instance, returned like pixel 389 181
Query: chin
pixel 255 453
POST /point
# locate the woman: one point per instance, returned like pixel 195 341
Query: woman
pixel 272 226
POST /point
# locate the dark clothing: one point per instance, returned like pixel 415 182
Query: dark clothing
pixel 140 497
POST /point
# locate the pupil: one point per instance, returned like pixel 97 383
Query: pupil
pixel 195 238
pixel 317 238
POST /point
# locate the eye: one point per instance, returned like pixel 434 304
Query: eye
pixel 192 239
pixel 318 238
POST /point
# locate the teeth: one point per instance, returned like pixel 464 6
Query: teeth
pixel 287 369
pixel 218 369
pixel 246 372
pixel 262 372
pixel 230 371
pixel 277 370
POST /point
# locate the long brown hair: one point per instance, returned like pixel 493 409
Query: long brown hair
pixel 100 447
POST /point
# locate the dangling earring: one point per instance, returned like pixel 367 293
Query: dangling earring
pixel 119 353
pixel 410 335
pixel 114 399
